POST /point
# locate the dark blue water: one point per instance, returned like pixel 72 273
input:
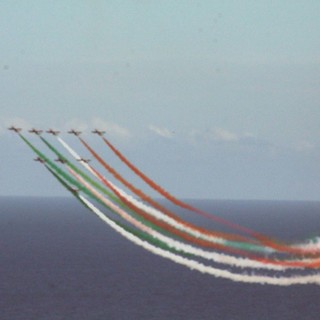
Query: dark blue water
pixel 58 261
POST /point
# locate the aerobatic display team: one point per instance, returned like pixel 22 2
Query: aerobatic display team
pixel 242 254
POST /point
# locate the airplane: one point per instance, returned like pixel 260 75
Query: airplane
pixel 33 130
pixel 99 132
pixel 84 160
pixel 76 133
pixel 15 129
pixel 60 160
pixel 74 190
pixel 54 132
pixel 39 159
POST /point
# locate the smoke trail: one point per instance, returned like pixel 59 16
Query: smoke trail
pixel 262 238
pixel 86 177
pixel 258 263
pixel 306 263
pixel 72 181
pixel 170 197
pixel 219 258
pixel 54 168
pixel 156 205
pixel 187 262
pixel 159 215
pixel 167 228
pixel 194 265
pixel 56 171
pixel 136 205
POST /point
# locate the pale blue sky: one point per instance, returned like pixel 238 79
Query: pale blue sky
pixel 227 90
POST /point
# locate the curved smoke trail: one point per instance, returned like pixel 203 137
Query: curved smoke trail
pixel 276 245
pixel 219 258
pixel 267 262
pixel 162 245
pixel 238 262
pixel 173 199
pixel 155 204
pixel 195 265
pixel 61 174
pixel 158 214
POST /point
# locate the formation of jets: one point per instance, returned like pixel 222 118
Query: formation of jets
pixel 55 132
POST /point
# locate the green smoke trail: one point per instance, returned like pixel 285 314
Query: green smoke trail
pixel 81 173
pixel 55 167
pixel 57 172
pixel 83 188
pixel 151 222
pixel 234 244
pixel 104 190
pixel 141 235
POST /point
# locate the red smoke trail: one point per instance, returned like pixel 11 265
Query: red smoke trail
pixel 173 199
pixel 165 226
pixel 156 205
pixel 194 265
pixel 200 242
pixel 239 245
pixel 172 230
pixel 261 238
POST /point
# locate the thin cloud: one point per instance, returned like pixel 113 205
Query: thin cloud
pixel 303 146
pixel 223 135
pixel 163 132
pixel 215 134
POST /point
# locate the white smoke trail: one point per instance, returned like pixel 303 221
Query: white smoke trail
pixel 156 213
pixel 194 265
pixel 75 155
pixel 160 216
pixel 217 257
pixel 312 244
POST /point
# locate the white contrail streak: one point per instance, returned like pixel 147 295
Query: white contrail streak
pixel 194 265
pixel 217 257
pixel 156 213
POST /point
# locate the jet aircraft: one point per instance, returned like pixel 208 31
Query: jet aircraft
pixel 39 159
pixel 76 133
pixel 15 129
pixel 60 160
pixel 74 190
pixel 99 132
pixel 35 131
pixel 53 132
pixel 84 160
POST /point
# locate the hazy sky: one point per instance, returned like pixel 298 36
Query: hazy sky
pixel 212 99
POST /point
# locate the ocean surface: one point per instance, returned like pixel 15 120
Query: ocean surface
pixel 59 261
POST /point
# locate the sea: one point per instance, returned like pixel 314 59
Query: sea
pixel 59 261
